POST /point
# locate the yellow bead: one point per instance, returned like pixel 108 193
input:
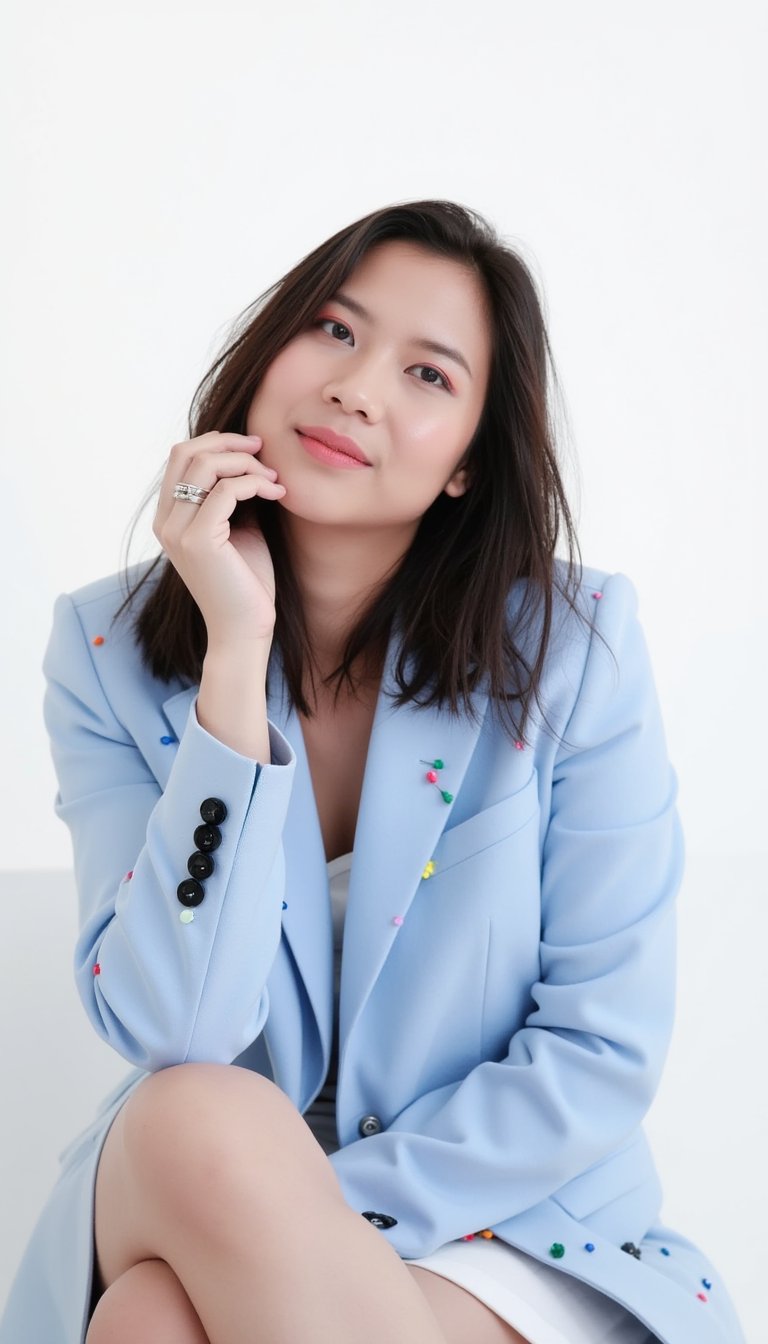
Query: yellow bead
pixel 429 869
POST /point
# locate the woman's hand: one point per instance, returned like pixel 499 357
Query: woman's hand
pixel 228 572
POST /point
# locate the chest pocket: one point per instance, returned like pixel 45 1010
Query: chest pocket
pixel 487 828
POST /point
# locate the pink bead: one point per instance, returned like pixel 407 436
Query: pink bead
pixel 432 776
pixel 702 1297
pixel 97 969
pixel 128 876
pixel 398 919
pixel 597 594
pixel 520 746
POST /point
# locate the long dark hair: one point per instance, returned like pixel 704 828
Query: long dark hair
pixel 450 595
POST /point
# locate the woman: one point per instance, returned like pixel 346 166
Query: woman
pixel 370 799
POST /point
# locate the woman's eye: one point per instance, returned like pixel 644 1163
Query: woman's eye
pixel 429 369
pixel 334 322
pixel 321 321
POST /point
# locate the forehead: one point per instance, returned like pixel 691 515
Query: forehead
pixel 417 293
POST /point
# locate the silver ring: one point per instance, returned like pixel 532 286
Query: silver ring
pixel 194 494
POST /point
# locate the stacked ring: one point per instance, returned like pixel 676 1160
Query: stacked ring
pixel 194 494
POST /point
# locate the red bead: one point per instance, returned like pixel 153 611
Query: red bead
pixel 128 876
pixel 98 640
pixel 97 969
pixel 432 776
pixel 469 1237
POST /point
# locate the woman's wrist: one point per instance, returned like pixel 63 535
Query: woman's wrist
pixel 232 699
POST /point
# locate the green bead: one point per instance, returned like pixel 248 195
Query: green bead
pixel 187 916
pixel 438 765
pixel 557 1250
pixel 447 797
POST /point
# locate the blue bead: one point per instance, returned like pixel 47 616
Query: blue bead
pixel 285 905
pixel 707 1283
pixel 589 1246
pixel 166 741
pixel 664 1250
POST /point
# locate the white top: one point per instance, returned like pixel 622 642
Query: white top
pixel 541 1302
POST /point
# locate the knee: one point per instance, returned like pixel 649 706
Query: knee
pixel 204 1132
pixel 147 1303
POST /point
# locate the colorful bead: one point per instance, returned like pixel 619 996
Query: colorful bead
pixel 469 1237
pixel 97 969
pixel 187 916
pixel 487 1233
pixel 707 1283
pixel 429 869
pixel 520 746
pixel 664 1250
pixel 166 741
pixel 557 1250
pixel 398 919
pixel 597 595
pixel 98 640
pixel 447 797
pixel 702 1297
pixel 436 765
pixel 128 876
pixel 589 1245
pixel 432 776
pixel 285 905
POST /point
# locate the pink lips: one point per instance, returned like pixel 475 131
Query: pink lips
pixel 339 444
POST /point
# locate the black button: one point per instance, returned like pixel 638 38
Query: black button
pixel 190 892
pixel 632 1249
pixel 200 865
pixel 213 811
pixel 380 1219
pixel 370 1124
pixel 207 838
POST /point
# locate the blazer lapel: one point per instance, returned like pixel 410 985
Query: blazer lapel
pixel 400 820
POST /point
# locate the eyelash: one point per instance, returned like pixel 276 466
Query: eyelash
pixel 338 322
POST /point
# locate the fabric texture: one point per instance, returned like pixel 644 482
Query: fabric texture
pixel 507 986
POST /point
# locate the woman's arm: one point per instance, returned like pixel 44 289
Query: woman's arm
pixel 165 992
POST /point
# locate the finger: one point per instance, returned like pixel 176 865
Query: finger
pixel 204 468
pixel 194 524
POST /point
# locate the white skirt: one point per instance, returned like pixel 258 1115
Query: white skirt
pixel 543 1304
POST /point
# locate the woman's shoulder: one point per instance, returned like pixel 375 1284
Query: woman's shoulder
pixel 580 597
pixel 110 591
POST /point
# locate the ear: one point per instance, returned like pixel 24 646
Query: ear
pixel 458 484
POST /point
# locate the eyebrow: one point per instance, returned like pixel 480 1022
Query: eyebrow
pixel 435 346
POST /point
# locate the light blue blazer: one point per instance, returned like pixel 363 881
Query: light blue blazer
pixel 506 1018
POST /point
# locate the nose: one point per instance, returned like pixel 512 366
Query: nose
pixel 359 388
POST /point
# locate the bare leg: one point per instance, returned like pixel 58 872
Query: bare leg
pixel 148 1305
pixel 211 1169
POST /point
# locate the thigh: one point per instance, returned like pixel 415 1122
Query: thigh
pixel 204 1120
pixel 460 1315
pixel 147 1304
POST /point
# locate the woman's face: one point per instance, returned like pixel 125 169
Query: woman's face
pixel 411 410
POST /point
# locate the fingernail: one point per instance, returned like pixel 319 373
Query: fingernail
pixel 254 438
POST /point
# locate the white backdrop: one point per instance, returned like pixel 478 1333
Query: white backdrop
pixel 165 162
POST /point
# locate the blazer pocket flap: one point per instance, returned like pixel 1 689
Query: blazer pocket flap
pixel 486 828
pixel 608 1179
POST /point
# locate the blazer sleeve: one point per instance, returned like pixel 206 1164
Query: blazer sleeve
pixel 580 1074
pixel 159 991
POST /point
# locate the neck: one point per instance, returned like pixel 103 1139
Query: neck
pixel 338 570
